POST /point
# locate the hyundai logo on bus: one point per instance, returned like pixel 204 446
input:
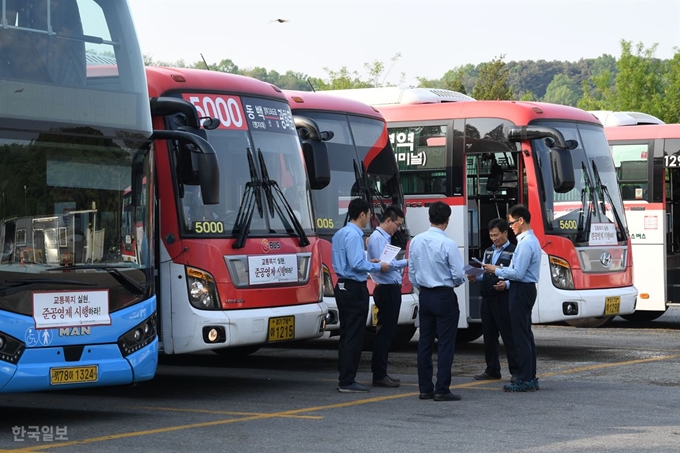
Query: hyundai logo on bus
pixel 606 259
pixel 270 245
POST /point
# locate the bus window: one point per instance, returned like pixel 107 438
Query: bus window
pixel 632 166
pixel 422 158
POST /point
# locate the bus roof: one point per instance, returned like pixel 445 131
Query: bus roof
pixel 645 132
pixel 402 96
pixel 326 102
pixel 610 118
pixel 519 112
pixel 162 80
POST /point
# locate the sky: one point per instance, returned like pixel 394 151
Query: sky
pixel 432 36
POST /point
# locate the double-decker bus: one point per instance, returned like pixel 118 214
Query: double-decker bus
pixel 73 312
pixel 362 165
pixel 246 271
pixel 481 157
pixel 646 156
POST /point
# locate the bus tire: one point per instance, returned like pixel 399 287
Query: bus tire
pixel 469 335
pixel 599 321
pixel 403 336
pixel 643 316
pixel 238 351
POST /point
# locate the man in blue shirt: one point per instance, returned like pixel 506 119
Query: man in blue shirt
pixel 386 296
pixel 435 267
pixel 351 294
pixel 494 310
pixel 523 272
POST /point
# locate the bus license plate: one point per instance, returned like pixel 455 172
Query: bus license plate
pixel 74 375
pixel 281 329
pixel 612 305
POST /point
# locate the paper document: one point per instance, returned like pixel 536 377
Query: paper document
pixel 476 260
pixel 389 253
pixel 471 270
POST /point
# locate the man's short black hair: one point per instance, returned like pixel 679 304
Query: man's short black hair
pixel 356 207
pixel 393 213
pixel 519 210
pixel 439 213
pixel 499 223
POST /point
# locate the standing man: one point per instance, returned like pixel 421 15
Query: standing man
pixel 435 267
pixel 351 294
pixel 523 272
pixel 386 295
pixel 494 310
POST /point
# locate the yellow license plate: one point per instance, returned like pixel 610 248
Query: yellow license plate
pixel 612 305
pixel 281 329
pixel 74 375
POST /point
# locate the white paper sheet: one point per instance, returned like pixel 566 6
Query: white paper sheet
pixel 389 253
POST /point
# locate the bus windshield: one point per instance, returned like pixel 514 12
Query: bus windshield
pixel 62 201
pixel 592 211
pixel 72 62
pixel 241 153
pixel 362 165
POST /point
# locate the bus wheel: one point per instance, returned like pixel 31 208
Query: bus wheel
pixel 403 336
pixel 239 351
pixel 599 321
pixel 470 334
pixel 643 316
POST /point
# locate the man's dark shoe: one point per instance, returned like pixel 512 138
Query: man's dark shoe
pixel 426 396
pixel 447 397
pixel 385 382
pixel 513 378
pixel 534 381
pixel 486 377
pixel 393 379
pixel 354 387
pixel 519 386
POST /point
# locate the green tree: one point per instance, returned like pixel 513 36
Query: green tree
pixel 672 90
pixel 640 80
pixel 562 90
pixel 492 83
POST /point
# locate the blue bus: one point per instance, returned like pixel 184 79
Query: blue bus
pixel 75 134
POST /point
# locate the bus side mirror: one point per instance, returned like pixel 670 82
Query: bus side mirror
pixel 317 162
pixel 197 161
pixel 562 167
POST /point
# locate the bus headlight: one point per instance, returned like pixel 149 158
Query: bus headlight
pixel 138 337
pixel 202 290
pixel 327 283
pixel 10 348
pixel 560 272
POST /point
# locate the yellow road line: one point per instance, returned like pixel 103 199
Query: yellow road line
pixel 289 413
pixel 208 411
pixel 610 365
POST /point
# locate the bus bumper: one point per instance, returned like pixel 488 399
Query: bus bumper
pixel 408 312
pixel 32 373
pixel 553 303
pixel 241 327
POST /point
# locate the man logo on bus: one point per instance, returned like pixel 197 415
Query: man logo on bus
pixel 270 245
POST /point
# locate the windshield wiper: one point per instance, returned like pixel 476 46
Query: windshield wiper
pixel 584 228
pixel 22 284
pixel 271 188
pixel 604 190
pixel 251 197
pixel 115 271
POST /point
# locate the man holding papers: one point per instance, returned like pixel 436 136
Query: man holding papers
pixel 387 293
pixel 494 311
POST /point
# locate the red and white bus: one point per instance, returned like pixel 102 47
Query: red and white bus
pixel 481 157
pixel 239 268
pixel 362 165
pixel 647 161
